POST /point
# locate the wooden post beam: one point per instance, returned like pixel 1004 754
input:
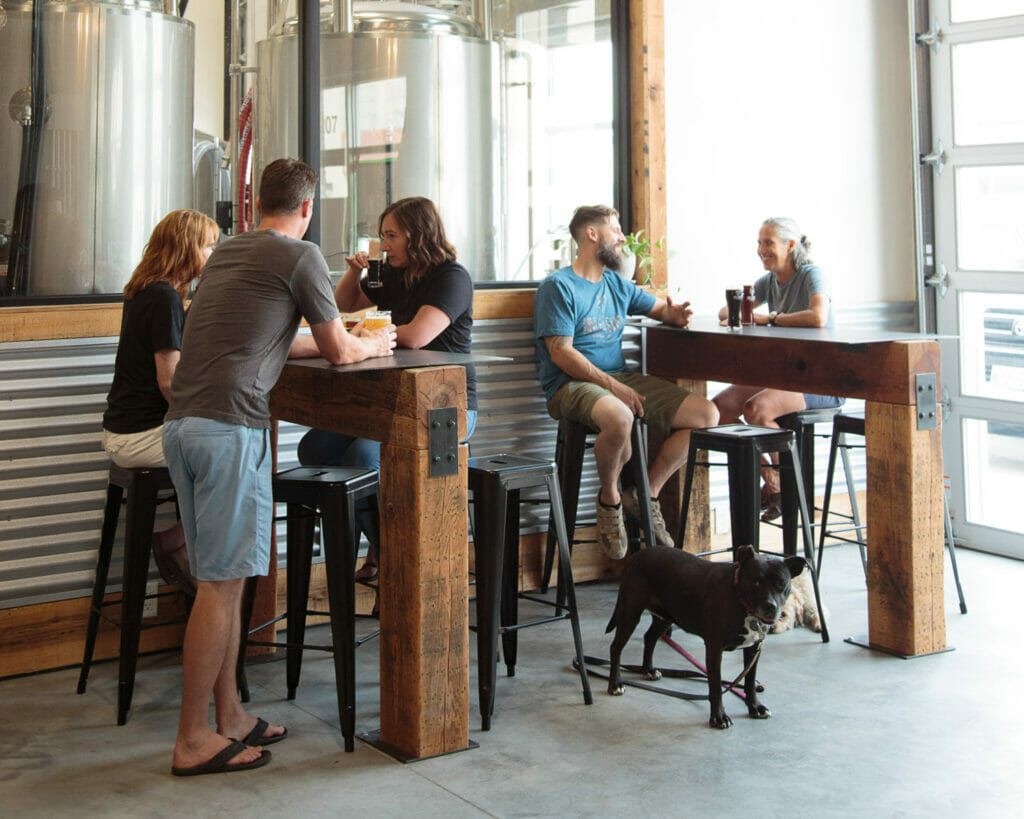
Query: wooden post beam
pixel 648 209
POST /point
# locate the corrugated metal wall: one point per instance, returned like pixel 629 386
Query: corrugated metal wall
pixel 53 469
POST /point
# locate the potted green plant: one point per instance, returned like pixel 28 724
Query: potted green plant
pixel 638 247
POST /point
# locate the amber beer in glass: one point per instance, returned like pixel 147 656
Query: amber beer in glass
pixel 375 319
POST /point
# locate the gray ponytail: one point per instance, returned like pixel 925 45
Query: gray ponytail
pixel 786 229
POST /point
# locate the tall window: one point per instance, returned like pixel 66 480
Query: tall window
pixel 557 126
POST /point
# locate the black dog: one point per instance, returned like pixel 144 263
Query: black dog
pixel 730 605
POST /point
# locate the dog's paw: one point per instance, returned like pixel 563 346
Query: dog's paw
pixel 616 690
pixel 720 721
pixel 784 623
pixel 653 675
pixel 759 711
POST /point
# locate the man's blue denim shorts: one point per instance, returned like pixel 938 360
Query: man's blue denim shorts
pixel 222 475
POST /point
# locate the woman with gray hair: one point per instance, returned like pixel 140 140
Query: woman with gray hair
pixel 795 292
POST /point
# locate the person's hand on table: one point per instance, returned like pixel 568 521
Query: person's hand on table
pixel 383 339
pixel 678 314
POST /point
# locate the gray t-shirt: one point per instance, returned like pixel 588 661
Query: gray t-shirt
pixel 245 314
pixel 795 294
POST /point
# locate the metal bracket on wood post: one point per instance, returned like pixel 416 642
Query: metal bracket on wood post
pixel 443 440
pixel 927 402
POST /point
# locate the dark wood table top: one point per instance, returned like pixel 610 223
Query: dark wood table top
pixel 846 335
pixel 401 360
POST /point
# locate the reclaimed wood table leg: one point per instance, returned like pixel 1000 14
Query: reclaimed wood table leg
pixel 424 565
pixel 906 606
pixel 424 654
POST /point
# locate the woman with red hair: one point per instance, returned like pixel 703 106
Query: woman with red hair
pixel 147 353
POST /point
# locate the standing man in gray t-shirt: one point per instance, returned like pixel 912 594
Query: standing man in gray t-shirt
pixel 241 327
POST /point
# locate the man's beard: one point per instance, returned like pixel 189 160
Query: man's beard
pixel 610 255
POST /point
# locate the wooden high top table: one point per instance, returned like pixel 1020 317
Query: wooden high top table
pixel 897 374
pixel 407 402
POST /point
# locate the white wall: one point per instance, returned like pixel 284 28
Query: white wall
pixel 794 108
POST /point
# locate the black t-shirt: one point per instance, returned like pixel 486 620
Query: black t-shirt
pixel 150 322
pixel 447 287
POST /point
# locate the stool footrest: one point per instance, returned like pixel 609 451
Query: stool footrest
pixel 540 621
pixel 303 646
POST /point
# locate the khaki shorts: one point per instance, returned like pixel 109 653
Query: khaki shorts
pixel 135 449
pixel 575 400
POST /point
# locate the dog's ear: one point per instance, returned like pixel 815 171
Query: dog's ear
pixel 744 553
pixel 796 565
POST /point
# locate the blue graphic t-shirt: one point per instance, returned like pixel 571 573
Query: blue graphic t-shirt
pixel 592 313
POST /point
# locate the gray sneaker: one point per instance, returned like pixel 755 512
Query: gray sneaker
pixel 611 531
pixel 632 507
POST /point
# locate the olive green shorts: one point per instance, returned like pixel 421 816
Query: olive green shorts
pixel 575 400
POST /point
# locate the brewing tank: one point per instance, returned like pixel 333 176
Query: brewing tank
pixel 114 150
pixel 408 109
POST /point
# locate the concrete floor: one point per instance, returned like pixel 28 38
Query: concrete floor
pixel 853 733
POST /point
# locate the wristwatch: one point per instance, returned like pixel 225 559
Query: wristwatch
pixel 774 314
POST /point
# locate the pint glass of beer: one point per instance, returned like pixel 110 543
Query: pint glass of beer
pixel 376 319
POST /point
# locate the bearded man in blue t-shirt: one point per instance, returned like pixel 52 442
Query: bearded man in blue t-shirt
pixel 579 314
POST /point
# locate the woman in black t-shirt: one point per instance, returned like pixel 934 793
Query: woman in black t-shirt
pixel 147 353
pixel 430 296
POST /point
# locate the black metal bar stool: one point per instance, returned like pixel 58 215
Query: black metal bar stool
pixel 329 493
pixel 570 446
pixel 802 424
pixel 842 426
pixel 496 482
pixel 744 445
pixel 140 489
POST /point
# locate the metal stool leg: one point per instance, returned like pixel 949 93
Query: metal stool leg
pixel 138 534
pixel 111 512
pixel 569 451
pixel 340 534
pixel 638 468
pixel 827 501
pixel 744 480
pixel 684 511
pixel 840 447
pixel 951 548
pixel 796 482
pixel 565 572
pixel 299 528
pixel 851 490
pixel 509 586
pixel 490 499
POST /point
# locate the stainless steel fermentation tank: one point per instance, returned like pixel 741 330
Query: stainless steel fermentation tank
pixel 408 109
pixel 115 143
